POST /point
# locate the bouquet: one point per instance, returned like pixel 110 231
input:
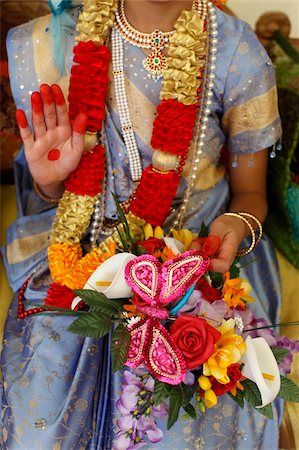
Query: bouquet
pixel 181 333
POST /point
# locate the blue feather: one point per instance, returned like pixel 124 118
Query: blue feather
pixel 61 25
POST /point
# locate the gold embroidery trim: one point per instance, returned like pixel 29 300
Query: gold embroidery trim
pixel 257 113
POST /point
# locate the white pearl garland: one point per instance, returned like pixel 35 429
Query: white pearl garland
pixel 204 111
pixel 123 107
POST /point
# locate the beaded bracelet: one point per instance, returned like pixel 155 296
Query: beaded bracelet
pixel 246 250
pixel 43 196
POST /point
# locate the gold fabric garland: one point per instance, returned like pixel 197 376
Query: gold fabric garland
pixel 96 20
pixel 186 55
pixel 72 217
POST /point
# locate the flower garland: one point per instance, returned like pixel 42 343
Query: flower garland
pixel 172 133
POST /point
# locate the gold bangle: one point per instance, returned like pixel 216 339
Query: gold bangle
pixel 43 196
pixel 246 250
pixel 259 230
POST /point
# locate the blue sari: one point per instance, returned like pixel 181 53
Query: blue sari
pixel 58 391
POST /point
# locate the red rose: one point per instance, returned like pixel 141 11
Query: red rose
pixel 152 244
pixel 208 245
pixel 208 292
pixel 195 338
pixel 234 373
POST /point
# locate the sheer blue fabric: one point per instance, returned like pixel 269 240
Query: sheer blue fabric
pixel 57 390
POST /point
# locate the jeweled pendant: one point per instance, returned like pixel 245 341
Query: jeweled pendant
pixel 155 64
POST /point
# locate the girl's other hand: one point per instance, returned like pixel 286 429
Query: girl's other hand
pixel 231 231
pixel 55 148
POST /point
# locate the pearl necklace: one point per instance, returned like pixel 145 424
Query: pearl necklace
pixel 155 62
pixel 206 9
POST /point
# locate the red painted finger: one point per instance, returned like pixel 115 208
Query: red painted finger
pixel 49 107
pixel 58 95
pixel 36 102
pixel 46 94
pixel 21 119
pixel 63 119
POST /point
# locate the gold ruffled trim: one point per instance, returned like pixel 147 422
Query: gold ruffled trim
pixel 72 218
pixel 186 55
pixel 95 20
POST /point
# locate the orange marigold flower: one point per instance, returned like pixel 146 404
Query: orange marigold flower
pixel 63 258
pixel 78 276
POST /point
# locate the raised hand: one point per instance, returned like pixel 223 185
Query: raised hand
pixel 55 148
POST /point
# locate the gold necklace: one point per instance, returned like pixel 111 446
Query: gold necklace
pixel 155 62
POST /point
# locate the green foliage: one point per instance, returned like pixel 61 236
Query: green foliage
pixel 234 271
pixel 266 411
pixel 289 390
pixel 161 392
pixel 92 324
pixel 125 234
pixel 252 393
pixel 187 393
pixel 175 403
pixel 217 279
pixel 238 398
pixel 190 410
pixel 121 339
pixel 99 302
pixel 204 231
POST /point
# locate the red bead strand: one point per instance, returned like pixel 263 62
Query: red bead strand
pixel 21 296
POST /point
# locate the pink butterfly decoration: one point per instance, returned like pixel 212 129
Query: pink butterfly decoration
pixel 158 285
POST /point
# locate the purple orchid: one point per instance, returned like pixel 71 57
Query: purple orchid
pixel 292 346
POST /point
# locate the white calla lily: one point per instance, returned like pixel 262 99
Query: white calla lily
pixel 176 246
pixel 109 278
pixel 260 366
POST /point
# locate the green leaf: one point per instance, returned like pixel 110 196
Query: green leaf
pixel 252 393
pixel 204 231
pixel 190 410
pixel 289 390
pixel 96 300
pixel 122 239
pixel 121 339
pixel 140 250
pixel 161 392
pixel 175 403
pixel 234 270
pixel 92 324
pixel 238 398
pixel 217 279
pixel 99 302
pixel 279 353
pixel 266 411
pixel 187 392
